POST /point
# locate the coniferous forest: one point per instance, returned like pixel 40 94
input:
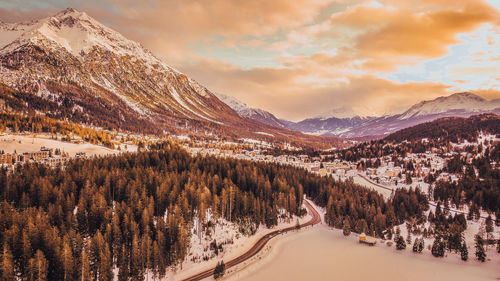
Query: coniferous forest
pixel 134 212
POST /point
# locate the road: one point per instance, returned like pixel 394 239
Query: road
pixel 259 245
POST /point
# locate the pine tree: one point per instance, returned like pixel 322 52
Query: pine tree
pixel 417 244
pixel 220 270
pixel 464 252
pixel 480 253
pixel 347 228
pixel 489 224
pixel 421 245
pixel 398 233
pixel 489 230
pixel 7 265
pixel 85 266
pixel 400 243
pixel 438 248
pixel 408 238
pixel 38 267
pixel 67 260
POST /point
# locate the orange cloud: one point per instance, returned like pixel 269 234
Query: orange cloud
pixel 278 90
pixel 397 34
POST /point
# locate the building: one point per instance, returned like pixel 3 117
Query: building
pixel 8 158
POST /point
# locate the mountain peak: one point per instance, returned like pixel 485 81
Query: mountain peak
pixel 68 11
pixel 72 13
pixel 465 101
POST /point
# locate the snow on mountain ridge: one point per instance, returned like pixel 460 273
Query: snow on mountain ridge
pixel 466 101
pixel 253 113
pixel 78 33
pixel 72 48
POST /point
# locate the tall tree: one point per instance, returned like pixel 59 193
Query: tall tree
pixel 7 265
pixel 464 252
pixel 38 267
pixel 347 228
pixel 480 252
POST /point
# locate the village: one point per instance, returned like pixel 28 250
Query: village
pixel 389 171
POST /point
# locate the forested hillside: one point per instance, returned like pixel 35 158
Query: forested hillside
pixel 425 137
pixel 451 129
pixel 39 124
pixel 479 190
pixel 135 211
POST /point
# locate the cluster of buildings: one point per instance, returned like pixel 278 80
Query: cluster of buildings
pixel 390 174
pixel 257 153
pixel 44 155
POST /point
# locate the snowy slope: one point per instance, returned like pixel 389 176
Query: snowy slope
pixel 253 113
pixel 73 48
pixel 77 33
pixel 466 102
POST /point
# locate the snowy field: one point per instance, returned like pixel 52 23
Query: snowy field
pixel 26 143
pixel 325 254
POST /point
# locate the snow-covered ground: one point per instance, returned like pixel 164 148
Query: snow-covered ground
pixel 27 143
pixel 322 253
pixel 224 232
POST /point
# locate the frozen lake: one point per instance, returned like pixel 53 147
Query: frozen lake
pixel 323 254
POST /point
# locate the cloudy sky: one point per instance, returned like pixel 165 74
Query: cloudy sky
pixel 301 58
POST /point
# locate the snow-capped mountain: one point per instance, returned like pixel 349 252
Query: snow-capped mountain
pixel 459 104
pixel 331 126
pixel 72 67
pixel 73 51
pixel 248 112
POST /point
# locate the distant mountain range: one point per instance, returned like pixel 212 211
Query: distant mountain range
pixel 70 66
pixel 347 125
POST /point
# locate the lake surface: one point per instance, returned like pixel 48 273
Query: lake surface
pixel 323 254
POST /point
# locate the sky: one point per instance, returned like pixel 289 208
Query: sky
pixel 302 58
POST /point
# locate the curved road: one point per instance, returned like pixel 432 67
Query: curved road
pixel 259 245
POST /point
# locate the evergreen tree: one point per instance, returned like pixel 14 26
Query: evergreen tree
pixel 408 237
pixel 421 245
pixel 438 247
pixel 347 228
pixel 489 224
pixel 38 267
pixel 480 253
pixel 464 252
pixel 7 265
pixel 415 245
pixel 67 261
pixel 398 233
pixel 400 243
pixel 220 270
pixel 85 266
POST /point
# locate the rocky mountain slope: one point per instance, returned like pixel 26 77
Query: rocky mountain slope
pixel 73 67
